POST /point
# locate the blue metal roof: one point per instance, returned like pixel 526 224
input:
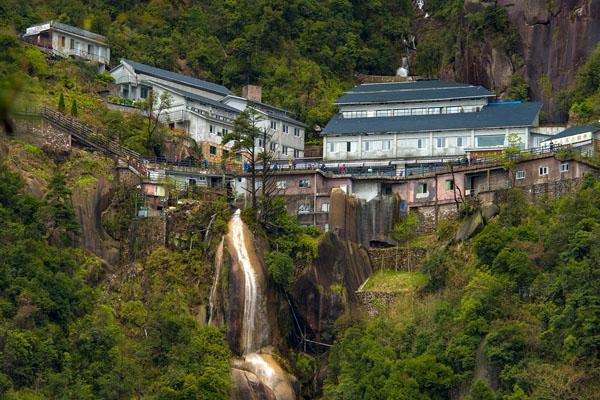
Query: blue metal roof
pixel 178 78
pixel 576 130
pixel 499 116
pixel 412 85
pixel 416 95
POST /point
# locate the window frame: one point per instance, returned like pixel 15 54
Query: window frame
pixel 520 174
pixel 543 170
pixel 564 164
pixel 304 183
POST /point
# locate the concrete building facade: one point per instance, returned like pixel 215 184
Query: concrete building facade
pixel 68 41
pixel 423 121
pixel 206 110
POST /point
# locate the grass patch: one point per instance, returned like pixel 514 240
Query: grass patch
pixel 85 179
pixel 31 149
pixel 395 281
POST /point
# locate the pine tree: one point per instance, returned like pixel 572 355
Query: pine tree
pixel 74 108
pixel 61 103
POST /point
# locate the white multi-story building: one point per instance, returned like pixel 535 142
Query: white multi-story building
pixel 423 121
pixel 207 110
pixel 65 41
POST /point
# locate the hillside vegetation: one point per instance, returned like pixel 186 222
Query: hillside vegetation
pixel 513 314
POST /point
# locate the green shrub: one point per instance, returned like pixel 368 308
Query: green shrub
pixel 281 269
pixel 31 149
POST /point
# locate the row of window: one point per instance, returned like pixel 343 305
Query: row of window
pixel 385 145
pixel 63 43
pixel 543 171
pixel 403 112
pixel 284 149
pixel 285 128
pixel 423 189
pixel 302 183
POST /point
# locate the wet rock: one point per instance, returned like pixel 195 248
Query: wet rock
pixel 489 211
pixel 247 386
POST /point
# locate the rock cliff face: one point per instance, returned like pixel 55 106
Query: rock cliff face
pixel 327 288
pixel 556 37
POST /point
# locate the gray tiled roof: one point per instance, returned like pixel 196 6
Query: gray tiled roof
pixel 74 30
pixel 490 116
pixel 178 78
pixel 575 130
pixel 197 98
pixel 400 94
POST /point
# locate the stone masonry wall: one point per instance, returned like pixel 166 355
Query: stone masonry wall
pixel 396 258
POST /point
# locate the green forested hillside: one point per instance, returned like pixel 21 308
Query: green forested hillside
pixel 66 334
pixel 303 52
pixel 519 304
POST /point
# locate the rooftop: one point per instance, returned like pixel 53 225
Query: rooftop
pixel 576 130
pixel 44 26
pixel 177 78
pixel 272 111
pixel 400 92
pixel 198 98
pixel 497 116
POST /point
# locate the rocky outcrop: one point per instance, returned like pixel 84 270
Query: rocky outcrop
pixel 555 39
pixel 327 289
pixel 89 203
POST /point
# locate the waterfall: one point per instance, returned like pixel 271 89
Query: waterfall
pixel 255 325
pixel 213 290
pixel 250 283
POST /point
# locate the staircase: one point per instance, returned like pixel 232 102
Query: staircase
pixel 89 137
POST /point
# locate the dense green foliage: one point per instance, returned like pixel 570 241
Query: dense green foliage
pixel 63 338
pixel 520 301
pixel 583 101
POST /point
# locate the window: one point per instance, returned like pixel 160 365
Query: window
pixel 274 125
pixel 449 184
pixel 260 143
pixel 296 131
pixel 520 175
pixel 453 110
pixel 213 150
pixel 564 167
pixel 366 145
pixel 462 141
pixel 355 114
pixel 543 171
pixel 296 153
pixel 273 146
pixel 420 143
pixel 281 184
pixel 419 111
pixel 434 110
pixel 402 112
pixel 325 207
pixel 90 49
pixel 284 150
pixel 384 113
pixel 62 41
pixel 331 147
pixel 440 142
pixel 72 44
pixel 286 129
pixel 126 91
pixel 351 147
pixel 144 92
pixel 387 145
pixel 304 183
pixel 225 131
pixel 211 129
pixel 422 188
pixel 490 141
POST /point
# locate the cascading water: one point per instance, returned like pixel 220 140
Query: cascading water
pixel 255 326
